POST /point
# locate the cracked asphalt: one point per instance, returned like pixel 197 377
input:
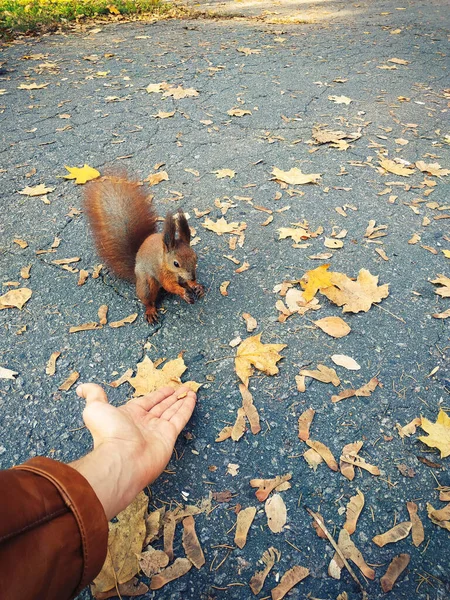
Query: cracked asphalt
pixel 96 110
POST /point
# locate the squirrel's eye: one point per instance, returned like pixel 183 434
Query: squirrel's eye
pixel 176 264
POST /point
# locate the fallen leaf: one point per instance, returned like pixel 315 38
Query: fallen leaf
pixel 313 458
pixel 25 272
pixel 224 434
pixel 197 212
pixel 68 383
pixel 244 520
pixel 221 226
pixel 152 561
pixel 223 288
pixel 85 327
pixel 22 243
pixel 352 512
pixel 356 296
pixel 222 173
pixel 244 267
pixel 348 469
pixel 250 409
pixel 164 115
pixel 323 373
pixel 50 369
pixel 319 528
pixel 397 169
pixel 180 567
pixel 7 373
pixel 130 319
pixel 405 470
pixel 238 112
pixel 315 280
pixel 340 99
pixel 438 433
pixel 408 429
pixel 37 190
pixel 102 314
pixel 442 315
pixel 265 486
pixel 295 233
pixel 191 544
pixel 150 378
pixel 32 86
pixel 440 517
pixel 445 282
pixel 276 512
pixel 304 423
pixel 396 567
pixel 351 552
pixel 395 534
pixel 16 298
pixel 269 557
pixel 122 379
pixel 364 391
pixel 324 452
pixel 155 178
pixel 178 93
pixel 342 360
pixel 334 326
pixel 358 461
pixel 432 169
pixel 82 277
pixel 398 61
pixel 417 531
pixel 232 469
pixel 238 428
pixel 252 353
pixel 295 176
pixel 66 261
pixel 248 51
pixel 222 496
pixel 82 175
pixel 288 581
pixel 130 588
pixel 250 322
pixel 333 243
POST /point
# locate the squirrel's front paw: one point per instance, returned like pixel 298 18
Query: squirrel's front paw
pixel 189 296
pixel 198 290
pixel 151 314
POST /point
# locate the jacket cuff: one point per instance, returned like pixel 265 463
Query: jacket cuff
pixel 81 499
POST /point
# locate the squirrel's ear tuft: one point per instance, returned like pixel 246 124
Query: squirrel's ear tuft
pixel 169 232
pixel 183 228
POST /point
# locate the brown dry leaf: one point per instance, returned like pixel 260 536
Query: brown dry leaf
pixel 154 525
pixel 409 428
pixel 130 319
pixel 22 243
pixel 222 173
pixel 342 360
pixel 66 261
pixel 414 239
pixel 50 369
pixel 323 373
pixel 324 452
pixel 358 461
pixel 169 527
pixel 340 99
pixel 317 528
pixel 25 272
pixel 224 434
pixel 313 458
pixel 445 282
pixel 68 383
pixel 149 378
pixel 315 280
pixel 334 326
pixel 82 277
pixel 288 581
pixel 333 243
pixel 405 470
pixel 238 428
pixel 179 568
pixel 438 433
pixel 353 510
pixel 85 327
pixel 191 544
pixel 356 296
pixel 270 556
pixel 244 520
pixel 15 298
pixel 252 353
pixel 238 112
pixel 348 469
pixel 442 315
pixel 223 288
pixel 440 517
pixel 396 567
pixel 296 302
pixel 432 169
pixel 300 382
pixel 364 391
pixel 163 115
pixel 221 226
pixel 37 190
pixel 155 178
pixel 224 496
pixel 250 322
pixel 250 409
pixel 122 379
pixel 395 534
pixel 244 267
pixel 276 513
pixel 265 486
pixel 417 531
pixel 102 314
pixel 131 588
pixel 296 233
pixel 125 541
pixel 444 493
pixel 351 552
pixel 304 423
pixel 294 176
pixel 152 561
pixel 96 271
pixel 397 169
pixel 178 93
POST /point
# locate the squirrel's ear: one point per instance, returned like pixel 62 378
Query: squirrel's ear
pixel 169 232
pixel 183 228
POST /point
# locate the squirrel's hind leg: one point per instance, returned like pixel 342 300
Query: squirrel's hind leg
pixel 147 289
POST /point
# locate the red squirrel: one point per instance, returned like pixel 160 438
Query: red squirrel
pixel 123 224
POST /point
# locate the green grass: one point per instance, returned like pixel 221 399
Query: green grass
pixel 35 15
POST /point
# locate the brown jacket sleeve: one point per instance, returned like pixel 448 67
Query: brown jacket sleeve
pixel 53 532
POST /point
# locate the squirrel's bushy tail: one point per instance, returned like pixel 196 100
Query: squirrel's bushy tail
pixel 121 218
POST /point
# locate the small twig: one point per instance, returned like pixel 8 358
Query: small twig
pixel 390 313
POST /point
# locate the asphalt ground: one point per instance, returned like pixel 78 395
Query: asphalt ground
pixel 96 110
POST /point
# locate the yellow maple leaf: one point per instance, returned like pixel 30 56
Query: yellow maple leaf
pixel 296 233
pixel 37 190
pixel 295 176
pixel 445 282
pixel 149 378
pixel 315 280
pixel 392 167
pixel 355 296
pixel 252 353
pixel 81 175
pixel 432 169
pixel 438 433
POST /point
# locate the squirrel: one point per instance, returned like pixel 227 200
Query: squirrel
pixel 123 224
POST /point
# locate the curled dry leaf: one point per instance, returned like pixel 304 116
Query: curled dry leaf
pixel 51 364
pixel 417 531
pixel 395 534
pixel 342 360
pixel 288 581
pixel 85 327
pixel 304 423
pixel 224 287
pixel 300 381
pixel 250 409
pixel 82 277
pixel 244 520
pixel 409 428
pixel 324 374
pixel 434 169
pixel 154 525
pixel 356 296
pixel 170 524
pixel 440 517
pixel 122 379
pixel 224 434
pixel 149 378
pixel 238 112
pixel 130 319
pixel 334 326
pixel 270 556
pixel 442 315
pixel 252 353
pixel 324 452
pixel 347 469
pixel 152 561
pixel 238 428
pixel 397 169
pixel 438 433
pixel 315 280
pixel 191 544
pixel 351 552
pixel 276 513
pixel 445 282
pixel 131 588
pixel 25 272
pixel 68 383
pixel 180 567
pixel 313 458
pixel 155 178
pixel 353 510
pixel 294 176
pixel 364 391
pixel 396 567
pixel 15 298
pixel 444 493
pixel 265 486
pixel 358 461
pixel 250 322
pixel 102 314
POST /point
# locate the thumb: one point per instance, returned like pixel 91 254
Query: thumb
pixel 92 392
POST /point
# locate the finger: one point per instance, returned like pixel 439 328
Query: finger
pixel 171 411
pixel 148 401
pixel 160 409
pixel 92 392
pixel 183 413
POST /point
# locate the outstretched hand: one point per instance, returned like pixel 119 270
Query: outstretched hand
pixel 132 443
